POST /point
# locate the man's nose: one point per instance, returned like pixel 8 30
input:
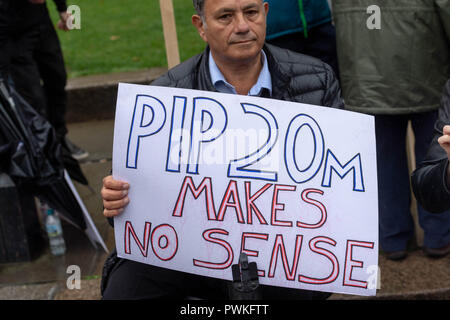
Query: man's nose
pixel 241 24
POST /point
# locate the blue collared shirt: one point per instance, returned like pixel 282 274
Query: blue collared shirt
pixel 221 85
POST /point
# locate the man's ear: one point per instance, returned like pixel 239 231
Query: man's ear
pixel 197 21
pixel 266 7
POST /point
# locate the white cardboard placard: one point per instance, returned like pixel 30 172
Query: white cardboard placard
pixel 213 175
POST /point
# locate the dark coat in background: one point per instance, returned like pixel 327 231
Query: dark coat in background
pixel 429 179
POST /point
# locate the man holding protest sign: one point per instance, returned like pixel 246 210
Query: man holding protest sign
pixel 236 61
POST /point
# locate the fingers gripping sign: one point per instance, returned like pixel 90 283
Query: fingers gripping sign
pixel 115 196
pixel 444 140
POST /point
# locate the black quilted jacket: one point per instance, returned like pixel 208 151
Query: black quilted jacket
pixel 429 179
pixel 295 77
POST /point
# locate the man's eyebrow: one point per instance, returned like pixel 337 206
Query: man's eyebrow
pixel 224 10
pixel 227 10
pixel 251 6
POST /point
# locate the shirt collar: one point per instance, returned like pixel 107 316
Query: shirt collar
pixel 264 80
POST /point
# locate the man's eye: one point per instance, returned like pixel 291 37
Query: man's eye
pixel 225 17
pixel 252 13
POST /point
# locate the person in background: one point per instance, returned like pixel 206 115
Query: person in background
pixel 303 26
pixel 394 59
pixel 431 179
pixel 36 63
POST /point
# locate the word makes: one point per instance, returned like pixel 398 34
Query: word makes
pixel 231 200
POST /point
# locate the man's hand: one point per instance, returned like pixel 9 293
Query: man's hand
pixel 444 142
pixel 115 196
pixel 63 23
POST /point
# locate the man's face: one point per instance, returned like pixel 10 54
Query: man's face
pixel 234 29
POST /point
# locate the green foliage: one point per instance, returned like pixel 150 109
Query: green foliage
pixel 123 35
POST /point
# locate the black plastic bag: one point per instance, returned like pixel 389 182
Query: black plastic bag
pixel 32 156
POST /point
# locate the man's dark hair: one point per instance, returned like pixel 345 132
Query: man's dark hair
pixel 198 5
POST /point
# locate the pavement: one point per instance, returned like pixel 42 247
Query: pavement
pixel 45 277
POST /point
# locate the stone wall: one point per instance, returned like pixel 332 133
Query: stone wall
pixel 94 97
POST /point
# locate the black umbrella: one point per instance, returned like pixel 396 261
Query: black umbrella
pixel 42 142
pixel 33 158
